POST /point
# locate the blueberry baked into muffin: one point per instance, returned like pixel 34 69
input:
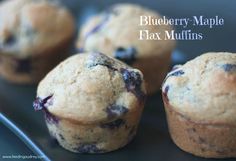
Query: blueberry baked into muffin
pixel 35 35
pixel 199 99
pixel 116 32
pixel 92 103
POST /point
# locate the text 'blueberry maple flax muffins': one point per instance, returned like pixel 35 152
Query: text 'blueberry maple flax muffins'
pixel 200 103
pixel 92 103
pixel 35 35
pixel 116 32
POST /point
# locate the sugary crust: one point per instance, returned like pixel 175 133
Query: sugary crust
pixel 209 140
pixel 83 90
pixel 30 27
pixel 204 89
pixel 121 29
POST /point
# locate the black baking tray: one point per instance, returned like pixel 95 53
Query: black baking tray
pixel 153 142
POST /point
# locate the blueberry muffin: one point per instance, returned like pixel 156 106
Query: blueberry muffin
pixel 92 103
pixel 199 99
pixel 35 35
pixel 116 32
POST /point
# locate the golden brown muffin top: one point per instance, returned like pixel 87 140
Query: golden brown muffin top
pixel 204 89
pixel 118 28
pixel 33 26
pixel 92 88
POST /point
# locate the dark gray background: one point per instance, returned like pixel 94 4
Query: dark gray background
pixel 152 141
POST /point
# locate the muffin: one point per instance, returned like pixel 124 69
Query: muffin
pixel 199 99
pixel 116 32
pixel 92 103
pixel 34 37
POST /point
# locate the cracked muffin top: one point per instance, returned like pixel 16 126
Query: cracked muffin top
pixel 33 26
pixel 116 32
pixel 204 89
pixel 91 87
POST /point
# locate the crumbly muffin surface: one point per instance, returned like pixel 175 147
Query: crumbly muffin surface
pixel 118 29
pixel 92 87
pixel 204 89
pixel 30 27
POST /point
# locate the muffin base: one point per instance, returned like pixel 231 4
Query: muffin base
pixel 39 65
pixel 154 70
pixel 93 138
pixel 208 140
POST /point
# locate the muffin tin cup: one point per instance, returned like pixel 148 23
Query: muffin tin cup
pixel 209 140
pixel 95 137
pixel 30 70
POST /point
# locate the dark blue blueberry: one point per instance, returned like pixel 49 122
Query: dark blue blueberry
pixel 23 65
pixel 176 73
pixel 133 82
pixel 166 89
pixel 11 40
pixel 61 136
pixel 132 79
pixel 50 118
pixel 105 17
pixel 88 148
pixel 39 103
pixel 98 26
pixel 127 55
pixel 116 110
pixel 165 93
pixel 100 59
pixel 114 124
pixel 229 67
